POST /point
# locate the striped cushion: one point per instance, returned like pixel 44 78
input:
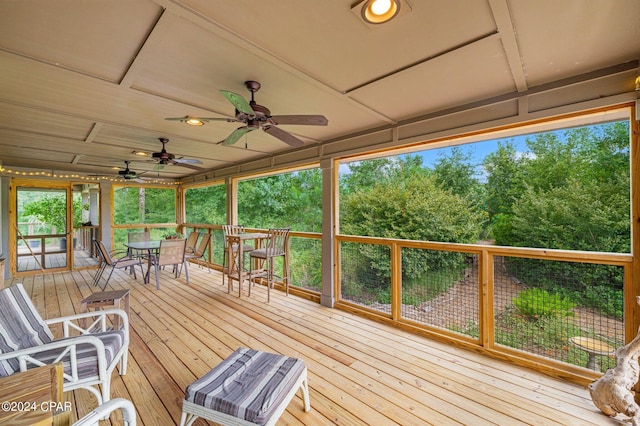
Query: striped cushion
pixel 86 353
pixel 249 384
pixel 21 326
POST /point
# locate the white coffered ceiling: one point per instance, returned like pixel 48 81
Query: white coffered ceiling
pixel 83 83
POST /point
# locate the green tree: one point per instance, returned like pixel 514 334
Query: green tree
pixel 569 195
pixel 51 210
pixel 206 204
pixel 574 196
pixel 455 171
pixel 134 205
pixel 365 174
pixel 285 200
pixel 412 207
pixel 505 180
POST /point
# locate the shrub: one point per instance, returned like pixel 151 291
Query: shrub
pixel 535 303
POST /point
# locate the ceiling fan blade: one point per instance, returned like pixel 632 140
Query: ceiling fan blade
pixel 285 137
pixel 203 119
pixel 239 102
pixel 237 134
pixel 189 166
pixel 187 161
pixel 310 120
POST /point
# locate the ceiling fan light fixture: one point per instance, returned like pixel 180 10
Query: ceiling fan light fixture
pixel 192 121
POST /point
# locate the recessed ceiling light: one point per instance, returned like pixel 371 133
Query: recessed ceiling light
pixel 140 153
pixel 380 11
pixel 375 12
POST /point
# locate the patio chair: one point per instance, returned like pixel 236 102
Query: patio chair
pixel 200 251
pixel 277 246
pixel 171 252
pixel 136 237
pixel 102 412
pixel 89 354
pixel 108 261
pixel 228 230
pixel 192 241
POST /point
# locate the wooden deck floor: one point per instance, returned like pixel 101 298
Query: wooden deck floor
pixel 360 372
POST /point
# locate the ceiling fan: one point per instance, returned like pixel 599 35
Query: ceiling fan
pixel 163 158
pixel 128 174
pixel 257 117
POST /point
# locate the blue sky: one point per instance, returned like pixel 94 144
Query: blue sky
pixel 478 150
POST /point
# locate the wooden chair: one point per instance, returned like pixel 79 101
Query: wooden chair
pixel 110 260
pixel 200 251
pixel 171 253
pixel 230 230
pixel 89 353
pixel 277 246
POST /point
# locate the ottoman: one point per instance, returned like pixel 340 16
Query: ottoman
pixel 249 387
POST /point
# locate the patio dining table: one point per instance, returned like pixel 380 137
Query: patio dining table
pixel 151 247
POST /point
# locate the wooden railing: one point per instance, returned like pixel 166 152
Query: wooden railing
pixel 83 238
pixel 480 283
pixel 474 319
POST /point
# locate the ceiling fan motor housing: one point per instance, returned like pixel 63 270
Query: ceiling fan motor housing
pixel 260 113
pixel 163 155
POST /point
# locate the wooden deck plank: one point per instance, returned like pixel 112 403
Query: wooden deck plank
pixel 371 367
pixel 340 362
pixel 269 340
pixel 360 371
pixel 381 336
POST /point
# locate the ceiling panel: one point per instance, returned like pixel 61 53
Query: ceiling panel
pixel 468 74
pixel 580 36
pixel 98 38
pixel 15 117
pixel 202 66
pixel 311 35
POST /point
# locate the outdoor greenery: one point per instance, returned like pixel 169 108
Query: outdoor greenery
pixel 138 205
pixel 568 190
pixel 286 200
pixel 207 204
pixel 409 202
pixel 535 303
pixel 50 211
pixel 562 190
